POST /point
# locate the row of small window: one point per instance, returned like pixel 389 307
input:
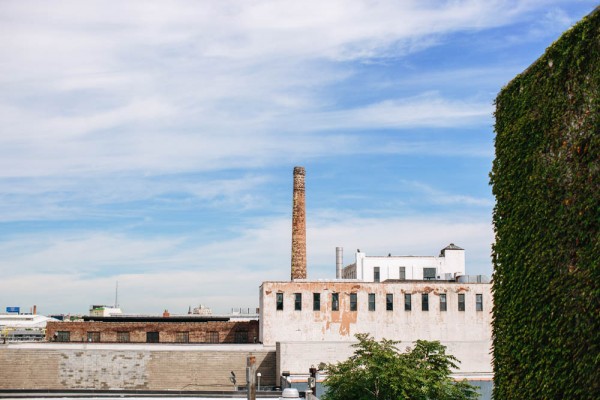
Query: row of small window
pixel 154 337
pixel 428 273
pixel 389 302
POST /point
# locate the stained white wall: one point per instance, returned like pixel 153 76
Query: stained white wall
pixel 297 357
pixel 467 332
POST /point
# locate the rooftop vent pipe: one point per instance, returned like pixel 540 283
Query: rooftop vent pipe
pixel 339 262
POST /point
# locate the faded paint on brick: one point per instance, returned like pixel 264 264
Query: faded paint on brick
pixel 83 366
pixel 103 370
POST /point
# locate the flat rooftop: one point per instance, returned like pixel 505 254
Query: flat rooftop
pixel 250 347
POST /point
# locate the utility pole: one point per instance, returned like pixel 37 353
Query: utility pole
pixel 251 377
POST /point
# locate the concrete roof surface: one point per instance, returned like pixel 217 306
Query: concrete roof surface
pixel 140 346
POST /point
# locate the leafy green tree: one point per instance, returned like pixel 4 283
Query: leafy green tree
pixel 378 370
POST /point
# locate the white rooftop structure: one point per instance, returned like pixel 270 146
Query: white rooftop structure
pixel 448 265
pixel 23 321
pixel 104 311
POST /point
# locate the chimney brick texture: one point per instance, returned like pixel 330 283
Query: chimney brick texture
pixel 299 226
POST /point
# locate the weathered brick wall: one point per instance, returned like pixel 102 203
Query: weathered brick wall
pixel 198 331
pixel 299 226
pixel 29 369
pixel 189 372
pixel 84 366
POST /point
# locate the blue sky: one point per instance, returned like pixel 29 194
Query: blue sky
pixel 152 143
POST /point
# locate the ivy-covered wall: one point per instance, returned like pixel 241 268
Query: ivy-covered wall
pixel 546 179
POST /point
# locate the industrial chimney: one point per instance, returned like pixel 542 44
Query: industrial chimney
pixel 299 226
pixel 339 262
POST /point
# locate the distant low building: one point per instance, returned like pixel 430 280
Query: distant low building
pixel 23 327
pixel 104 311
pixel 200 310
pixel 154 329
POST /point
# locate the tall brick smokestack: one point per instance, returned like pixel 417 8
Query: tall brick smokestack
pixel 299 226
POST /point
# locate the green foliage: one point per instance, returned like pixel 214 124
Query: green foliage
pixel 546 179
pixel 379 371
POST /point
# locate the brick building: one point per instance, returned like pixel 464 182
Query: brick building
pixel 119 366
pixel 171 329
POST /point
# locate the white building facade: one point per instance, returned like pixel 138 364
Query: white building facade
pixel 329 314
pixel 402 298
pixel 338 310
pixel 447 266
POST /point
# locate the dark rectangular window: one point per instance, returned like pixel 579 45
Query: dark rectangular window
pixel 461 302
pixel 353 302
pixel 212 337
pixel 152 337
pixel 279 301
pixel 298 301
pixel 424 301
pixel 376 276
pixel 123 337
pixel 93 336
pixel 241 337
pixel 407 302
pixel 402 274
pixel 63 336
pixel 429 273
pixel 182 337
pixel 316 301
pixel 443 303
pixel 479 302
pixel 371 301
pixel 335 301
pixel 389 302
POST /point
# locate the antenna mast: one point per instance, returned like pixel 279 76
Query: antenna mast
pixel 117 295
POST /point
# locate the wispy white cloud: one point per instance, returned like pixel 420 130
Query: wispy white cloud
pixel 554 21
pixel 425 110
pixel 549 23
pixel 80 196
pixel 165 272
pixel 437 196
pixel 83 145
pixel 239 30
pixel 149 293
pixel 187 86
pixel 87 254
pixel 105 104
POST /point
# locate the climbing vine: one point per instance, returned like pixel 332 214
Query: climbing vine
pixel 546 179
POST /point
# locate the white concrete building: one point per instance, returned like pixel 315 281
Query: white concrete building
pixel 23 327
pixel 403 298
pixel 325 316
pixel 447 266
pixel 338 310
pixel 24 321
